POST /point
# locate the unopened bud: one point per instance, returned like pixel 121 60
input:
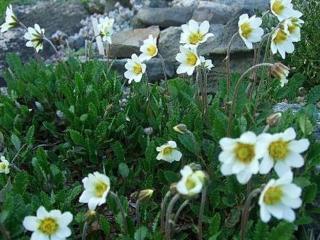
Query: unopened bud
pixel 148 130
pixel 90 214
pixel 280 71
pixel 173 188
pixel 273 119
pixel 181 128
pixel 143 194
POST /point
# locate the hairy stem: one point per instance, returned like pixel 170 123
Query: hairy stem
pixel 168 216
pixel 51 44
pixel 163 210
pixel 123 214
pixel 85 230
pixel 182 206
pixel 236 92
pixel 201 211
pixel 246 212
pixel 163 63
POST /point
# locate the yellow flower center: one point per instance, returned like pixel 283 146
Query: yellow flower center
pixel 190 183
pixel 137 69
pixel 273 195
pixel 152 50
pixel 2 166
pixel 48 226
pixel 195 38
pixel 280 37
pixel 192 59
pixel 244 152
pixel 246 30
pixel 278 7
pixel 167 150
pixel 278 150
pixel 100 189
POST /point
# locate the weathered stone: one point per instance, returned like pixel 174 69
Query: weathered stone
pixel 245 4
pixel 169 43
pixel 215 13
pixel 163 17
pixel 125 43
pixel 154 69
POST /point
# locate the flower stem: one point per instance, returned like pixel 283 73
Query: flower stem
pixel 200 219
pixel 85 230
pixel 124 221
pixel 246 211
pixel 168 216
pixel 236 92
pixel 182 206
pixel 4 232
pixel 228 67
pixel 163 210
pixel 163 67
pixel 51 44
pixel 138 213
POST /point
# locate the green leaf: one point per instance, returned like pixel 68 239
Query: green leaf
pixel 118 151
pixel 314 95
pixel 189 142
pixel 283 231
pixel 105 225
pixel 21 182
pixel 260 231
pixel 141 233
pixel 16 142
pixel 123 170
pixel 76 137
pixel 30 134
pixel 310 193
pixel 171 176
pixel 214 224
pixel 305 125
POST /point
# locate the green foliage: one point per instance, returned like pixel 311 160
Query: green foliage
pixel 61 122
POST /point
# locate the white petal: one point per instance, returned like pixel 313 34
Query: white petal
pixel 85 197
pixel 226 169
pixel 39 236
pixel 295 160
pixel 248 137
pixel 292 202
pixel 64 232
pixel 264 214
pixel 31 223
pixel 227 143
pixel 66 218
pixel 276 210
pixel 266 164
pixel 292 190
pixel 244 176
pixel 289 215
pixel 289 134
pixel 42 212
pixel 281 168
pixel 226 157
pixel 299 146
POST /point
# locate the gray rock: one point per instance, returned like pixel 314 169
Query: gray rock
pixel 215 13
pixel 125 43
pixel 154 69
pixel 245 4
pixel 163 17
pixel 169 43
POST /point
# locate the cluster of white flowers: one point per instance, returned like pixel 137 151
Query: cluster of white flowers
pixel 135 66
pixel 193 34
pixel 4 165
pixel 250 154
pixel 288 30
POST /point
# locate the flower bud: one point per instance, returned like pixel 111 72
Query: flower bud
pixel 148 131
pixel 280 71
pixel 273 119
pixel 181 128
pixel 143 194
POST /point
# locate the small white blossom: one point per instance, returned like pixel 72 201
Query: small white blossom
pixel 282 151
pixel 283 9
pixel 35 37
pixel 11 20
pixel 207 63
pixel 96 189
pixel 105 28
pixel 250 30
pixel 195 33
pixel 135 69
pixel 188 59
pixel 281 42
pixel 49 225
pixel 191 182
pixel 240 156
pixel 278 198
pixel 4 165
pixel 293 26
pixel 168 152
pixel 149 48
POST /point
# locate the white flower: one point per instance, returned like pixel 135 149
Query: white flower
pixel 250 30
pixel 278 198
pixel 11 20
pixel 194 33
pixel 207 63
pixel 35 37
pixel 135 69
pixel 188 59
pixel 46 225
pixel 4 165
pixel 281 42
pixel 96 189
pixel 282 151
pixel 168 152
pixel 283 9
pixel 293 26
pixel 191 182
pixel 240 156
pixel 149 48
pixel 105 28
